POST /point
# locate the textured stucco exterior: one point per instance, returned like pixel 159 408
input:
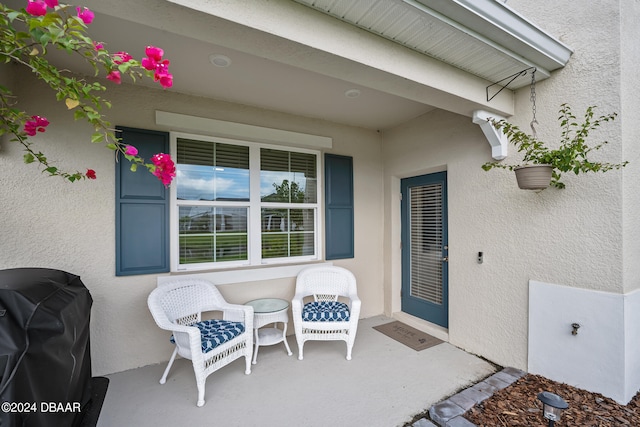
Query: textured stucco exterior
pixel 586 236
pixel 630 93
pixel 47 222
pixel 601 72
pixel 581 237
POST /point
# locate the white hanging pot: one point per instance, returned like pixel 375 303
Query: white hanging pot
pixel 533 177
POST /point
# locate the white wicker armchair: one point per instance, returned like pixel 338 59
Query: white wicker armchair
pixel 177 306
pixel 325 306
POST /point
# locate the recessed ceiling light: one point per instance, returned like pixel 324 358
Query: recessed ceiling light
pixel 220 60
pixel 352 93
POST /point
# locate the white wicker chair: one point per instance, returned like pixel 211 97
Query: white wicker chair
pixel 177 306
pixel 325 284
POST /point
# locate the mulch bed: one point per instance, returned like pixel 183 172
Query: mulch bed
pixel 518 405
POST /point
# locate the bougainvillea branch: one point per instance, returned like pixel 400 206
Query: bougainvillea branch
pixel 25 37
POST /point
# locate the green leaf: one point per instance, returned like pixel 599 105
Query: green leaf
pixel 572 153
pixel 124 67
pixel 44 39
pixel 28 158
pixel 13 15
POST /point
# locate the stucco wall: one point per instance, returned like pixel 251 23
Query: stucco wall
pixel 585 236
pixel 555 235
pixel 571 237
pixel 630 94
pixel 47 222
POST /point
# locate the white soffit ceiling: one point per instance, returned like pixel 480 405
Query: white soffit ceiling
pixel 273 69
pixel 483 37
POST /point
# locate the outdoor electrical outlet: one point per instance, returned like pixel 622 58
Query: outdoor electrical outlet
pixel 480 256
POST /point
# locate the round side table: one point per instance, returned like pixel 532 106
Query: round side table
pixel 265 312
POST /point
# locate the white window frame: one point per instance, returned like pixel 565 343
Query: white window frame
pixel 254 240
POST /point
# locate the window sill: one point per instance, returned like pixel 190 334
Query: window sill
pixel 242 275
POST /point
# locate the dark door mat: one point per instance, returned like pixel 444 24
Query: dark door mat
pixel 92 411
pixel 407 335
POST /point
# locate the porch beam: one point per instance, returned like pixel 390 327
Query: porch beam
pixel 280 31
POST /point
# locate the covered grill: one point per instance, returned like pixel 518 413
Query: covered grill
pixel 45 361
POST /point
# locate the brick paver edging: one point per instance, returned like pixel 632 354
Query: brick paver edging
pixel 449 412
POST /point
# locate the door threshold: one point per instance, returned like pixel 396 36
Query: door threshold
pixel 422 325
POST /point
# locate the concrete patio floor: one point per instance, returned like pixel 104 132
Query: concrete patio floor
pixel 385 384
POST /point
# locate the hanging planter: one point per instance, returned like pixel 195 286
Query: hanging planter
pixel 570 156
pixel 533 177
pixel 542 166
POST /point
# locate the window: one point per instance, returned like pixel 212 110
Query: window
pixel 241 203
pixel 222 183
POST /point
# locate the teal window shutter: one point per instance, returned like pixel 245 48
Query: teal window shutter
pixel 338 206
pixel 142 208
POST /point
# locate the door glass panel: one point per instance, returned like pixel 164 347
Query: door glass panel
pixel 426 242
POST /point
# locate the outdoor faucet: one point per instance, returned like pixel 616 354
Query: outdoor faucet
pixel 575 327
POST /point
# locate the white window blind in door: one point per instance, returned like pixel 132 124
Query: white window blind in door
pixel 426 242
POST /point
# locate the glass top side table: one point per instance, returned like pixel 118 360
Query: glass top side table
pixel 265 312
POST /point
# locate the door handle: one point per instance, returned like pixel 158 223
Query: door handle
pixel 445 259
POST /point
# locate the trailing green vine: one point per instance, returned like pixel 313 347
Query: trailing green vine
pixel 571 156
pixel 25 37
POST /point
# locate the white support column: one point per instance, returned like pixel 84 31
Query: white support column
pixel 496 138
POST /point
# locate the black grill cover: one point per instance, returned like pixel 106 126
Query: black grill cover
pixel 45 362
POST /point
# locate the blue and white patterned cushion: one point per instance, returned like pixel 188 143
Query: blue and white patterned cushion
pixel 325 311
pixel 215 332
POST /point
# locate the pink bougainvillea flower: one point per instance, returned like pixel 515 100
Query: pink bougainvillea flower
pixel 30 129
pixel 91 174
pixel 51 3
pixel 154 53
pixel 148 63
pixel 121 57
pixel 166 80
pixel 162 68
pixel 153 58
pixel 36 124
pixel 162 74
pixel 165 168
pixel 131 150
pixel 114 76
pixel 98 46
pixel 154 62
pixel 36 8
pixel 85 14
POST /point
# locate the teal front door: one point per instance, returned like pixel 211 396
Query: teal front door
pixel 425 248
